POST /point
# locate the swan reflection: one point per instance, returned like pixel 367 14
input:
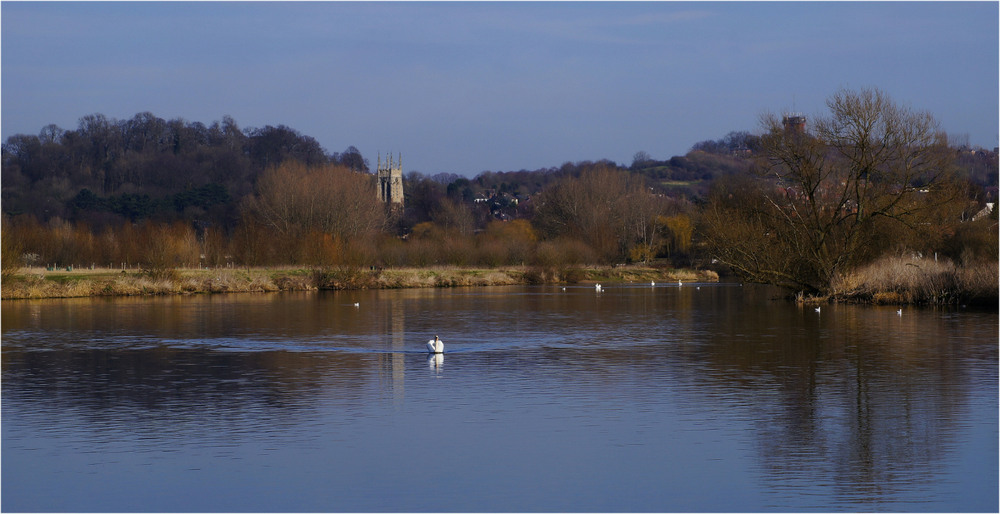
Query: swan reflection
pixel 435 362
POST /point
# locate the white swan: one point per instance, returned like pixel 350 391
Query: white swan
pixel 817 309
pixel 435 345
pixel 356 304
pixel 597 287
pixel 899 312
pixel 652 283
pixel 679 283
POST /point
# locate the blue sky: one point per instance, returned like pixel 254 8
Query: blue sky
pixel 467 87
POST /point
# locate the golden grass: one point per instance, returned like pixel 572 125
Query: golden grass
pixel 646 274
pixel 105 283
pixel 448 276
pixel 900 280
pixel 194 281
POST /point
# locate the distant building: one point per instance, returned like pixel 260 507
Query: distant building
pixel 390 180
pixel 986 211
pixel 794 122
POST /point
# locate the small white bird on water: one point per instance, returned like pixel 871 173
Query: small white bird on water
pixel 679 283
pixel 899 312
pixel 356 304
pixel 817 309
pixel 652 283
pixel 435 345
pixel 597 287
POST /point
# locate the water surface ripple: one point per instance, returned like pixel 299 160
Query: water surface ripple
pixel 704 397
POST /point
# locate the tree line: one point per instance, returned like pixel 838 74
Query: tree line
pixel 794 208
pixel 146 167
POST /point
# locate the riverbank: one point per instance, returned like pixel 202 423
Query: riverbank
pixel 43 283
pixel 896 280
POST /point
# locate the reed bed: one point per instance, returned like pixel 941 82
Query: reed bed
pixel 447 276
pixel 904 280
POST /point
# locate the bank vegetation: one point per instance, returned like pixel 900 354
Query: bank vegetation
pixel 869 202
pixel 43 283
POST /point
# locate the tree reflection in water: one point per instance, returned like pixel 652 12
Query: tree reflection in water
pixel 857 409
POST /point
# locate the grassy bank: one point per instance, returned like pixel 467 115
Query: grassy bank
pixel 39 283
pixel 903 280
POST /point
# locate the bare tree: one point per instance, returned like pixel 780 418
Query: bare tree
pixel 607 208
pixel 294 199
pixel 866 177
pixel 11 246
pixel 456 216
pixel 640 159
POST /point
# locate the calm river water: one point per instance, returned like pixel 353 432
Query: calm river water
pixel 708 397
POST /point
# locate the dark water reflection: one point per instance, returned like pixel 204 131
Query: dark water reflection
pixel 709 398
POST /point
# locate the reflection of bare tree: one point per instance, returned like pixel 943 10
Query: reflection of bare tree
pixel 163 386
pixel 869 406
pixel 856 406
pixel 107 359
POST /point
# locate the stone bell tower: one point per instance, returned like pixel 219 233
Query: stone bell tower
pixel 390 180
pixel 794 123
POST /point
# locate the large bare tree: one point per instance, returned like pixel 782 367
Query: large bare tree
pixel 294 199
pixel 869 177
pixel 609 209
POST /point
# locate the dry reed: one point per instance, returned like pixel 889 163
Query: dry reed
pixel 901 280
pixel 188 281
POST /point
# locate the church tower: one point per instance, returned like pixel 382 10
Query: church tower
pixel 794 123
pixel 390 180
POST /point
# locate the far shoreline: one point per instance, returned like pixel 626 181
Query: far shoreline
pixel 889 281
pixel 40 283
